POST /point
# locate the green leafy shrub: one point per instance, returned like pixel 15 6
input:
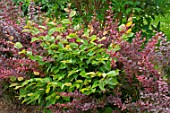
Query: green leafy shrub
pixel 69 62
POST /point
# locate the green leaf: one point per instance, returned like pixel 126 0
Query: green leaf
pixel 104 75
pixel 34 39
pixel 79 40
pixel 26 82
pixel 83 47
pixel 29 53
pixel 113 81
pixel 13 84
pixel 101 85
pixel 53 46
pixel 59 37
pixel 93 38
pixel 35 31
pixel 79 81
pixel 92 74
pixel 108 66
pixel 36 58
pixel 66 98
pixel 23 51
pixel 95 62
pixel 72 13
pixel 66 21
pixel 77 86
pixel 73 45
pixel 18 45
pixel 130 34
pixel 20 78
pixel 72 72
pixel 115 48
pixel 43 27
pixel 85 89
pixel 30 94
pixel 59 76
pixel 49 38
pixel 12 78
pixel 60 45
pixel 17 87
pixel 26 30
pixel 83 73
pixel 95 84
pixel 66 61
pixel 47 90
pixel 113 73
pixel 90 53
pixel 52 30
pixel 71 35
pixel 87 81
pixel 68 84
pixel 50 96
pixel 46 80
pixel 77 27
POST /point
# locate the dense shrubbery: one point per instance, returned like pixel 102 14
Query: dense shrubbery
pixel 143 11
pixel 66 67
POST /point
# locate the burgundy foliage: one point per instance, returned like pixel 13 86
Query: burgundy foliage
pixel 11 26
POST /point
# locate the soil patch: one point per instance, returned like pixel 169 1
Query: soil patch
pixel 11 107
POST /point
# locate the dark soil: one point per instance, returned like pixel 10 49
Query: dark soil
pixel 11 107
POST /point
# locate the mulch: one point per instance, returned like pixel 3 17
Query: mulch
pixel 11 107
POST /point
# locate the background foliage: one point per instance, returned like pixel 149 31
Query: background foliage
pixel 143 11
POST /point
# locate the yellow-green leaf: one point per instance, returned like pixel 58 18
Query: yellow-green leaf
pixel 68 84
pixel 129 31
pixel 129 24
pixel 36 73
pixel 57 97
pixel 13 84
pixel 23 51
pixel 66 21
pixel 72 13
pixel 30 94
pixel 34 39
pixel 17 87
pixel 18 45
pixel 12 78
pixel 20 78
pixel 47 90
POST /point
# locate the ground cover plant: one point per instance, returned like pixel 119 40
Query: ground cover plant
pixel 66 67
